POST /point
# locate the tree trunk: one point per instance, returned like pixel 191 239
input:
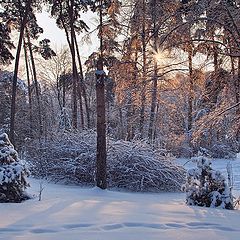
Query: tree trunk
pixel 215 55
pixel 121 131
pixel 154 83
pixel 59 93
pixel 156 121
pixel 74 68
pixel 29 89
pixel 129 116
pixel 237 87
pixel 82 84
pixel 35 84
pixel 101 165
pixel 64 94
pixel 190 94
pixel 143 93
pixel 14 83
pixel 79 89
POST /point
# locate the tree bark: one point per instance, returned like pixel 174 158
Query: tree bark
pixel 190 94
pixel 83 88
pixel 237 87
pixel 29 89
pixel 154 83
pixel 215 55
pixel 74 67
pixel 101 165
pixel 14 83
pixel 129 116
pixel 143 93
pixel 35 84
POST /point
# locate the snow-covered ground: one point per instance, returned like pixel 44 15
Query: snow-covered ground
pixel 73 213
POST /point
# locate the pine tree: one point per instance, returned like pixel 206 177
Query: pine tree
pixel 5 42
pixel 68 18
pixel 207 187
pixel 64 120
pixel 12 173
pixel 17 14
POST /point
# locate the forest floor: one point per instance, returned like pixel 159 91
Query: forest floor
pixel 73 213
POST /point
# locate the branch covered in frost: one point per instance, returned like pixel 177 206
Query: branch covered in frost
pixel 134 166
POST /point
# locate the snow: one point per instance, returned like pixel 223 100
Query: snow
pixel 71 212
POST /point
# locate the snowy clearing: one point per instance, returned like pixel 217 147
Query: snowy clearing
pixel 70 212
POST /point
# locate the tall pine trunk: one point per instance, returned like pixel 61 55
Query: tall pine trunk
pixel 29 89
pixel 35 84
pixel 154 80
pixel 215 54
pixel 14 81
pixel 129 116
pixel 144 62
pixel 190 94
pixel 101 165
pixel 83 88
pixel 74 68
pixel 237 87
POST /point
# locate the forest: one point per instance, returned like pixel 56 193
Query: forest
pixel 136 112
pixel 164 80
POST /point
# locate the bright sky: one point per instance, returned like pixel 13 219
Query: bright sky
pixel 58 38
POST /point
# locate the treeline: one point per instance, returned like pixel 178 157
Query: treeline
pixel 172 73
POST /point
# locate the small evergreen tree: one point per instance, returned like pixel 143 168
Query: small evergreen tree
pixel 12 173
pixel 207 187
pixel 64 120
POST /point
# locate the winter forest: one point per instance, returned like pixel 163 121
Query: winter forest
pixel 130 129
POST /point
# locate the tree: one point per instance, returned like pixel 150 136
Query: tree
pixel 206 187
pixel 32 32
pixel 6 44
pixel 64 120
pixel 108 9
pixel 101 165
pixel 68 17
pixel 17 13
pixel 22 127
pixel 12 173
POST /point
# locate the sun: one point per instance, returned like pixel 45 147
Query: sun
pixel 161 57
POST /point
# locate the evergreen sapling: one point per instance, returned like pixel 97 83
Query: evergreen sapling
pixel 13 173
pixel 207 187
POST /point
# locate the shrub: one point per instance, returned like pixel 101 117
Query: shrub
pixel 134 166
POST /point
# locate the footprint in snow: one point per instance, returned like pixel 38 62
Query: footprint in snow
pixel 80 225
pixel 112 227
pixel 42 230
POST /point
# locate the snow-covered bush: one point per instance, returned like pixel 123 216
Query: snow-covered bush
pixel 134 166
pixel 12 173
pixel 207 187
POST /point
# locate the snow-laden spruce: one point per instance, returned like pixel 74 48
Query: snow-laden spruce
pixel 134 166
pixel 12 173
pixel 64 120
pixel 207 187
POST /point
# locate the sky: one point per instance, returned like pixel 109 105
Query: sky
pixel 57 36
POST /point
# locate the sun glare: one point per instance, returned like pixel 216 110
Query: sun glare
pixel 161 57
